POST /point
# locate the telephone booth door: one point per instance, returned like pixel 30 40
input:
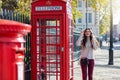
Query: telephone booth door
pixel 48 57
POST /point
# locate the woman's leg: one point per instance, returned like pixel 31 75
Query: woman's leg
pixel 84 71
pixel 90 69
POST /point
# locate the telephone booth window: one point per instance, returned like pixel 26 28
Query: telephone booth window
pixel 58 31
pixel 51 31
pixel 58 22
pixel 51 40
pixel 45 22
pixel 50 22
pixel 48 48
pixel 71 48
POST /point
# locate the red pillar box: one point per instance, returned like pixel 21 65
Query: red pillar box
pixel 51 40
pixel 12 50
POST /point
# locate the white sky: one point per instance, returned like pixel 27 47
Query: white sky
pixel 116 17
pixel 116 14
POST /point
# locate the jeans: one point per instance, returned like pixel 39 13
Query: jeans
pixel 87 69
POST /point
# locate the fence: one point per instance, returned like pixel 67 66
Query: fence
pixel 16 16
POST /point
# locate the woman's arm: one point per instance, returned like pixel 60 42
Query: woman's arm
pixel 78 42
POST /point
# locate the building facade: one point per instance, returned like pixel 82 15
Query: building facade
pixel 89 19
pixel 116 32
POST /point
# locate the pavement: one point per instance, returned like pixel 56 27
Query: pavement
pixel 102 70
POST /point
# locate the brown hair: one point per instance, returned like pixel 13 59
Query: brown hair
pixel 84 41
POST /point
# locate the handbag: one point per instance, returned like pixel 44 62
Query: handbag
pixel 84 61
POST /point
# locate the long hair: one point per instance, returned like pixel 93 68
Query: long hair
pixel 84 41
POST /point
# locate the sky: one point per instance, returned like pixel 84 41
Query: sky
pixel 116 17
pixel 116 13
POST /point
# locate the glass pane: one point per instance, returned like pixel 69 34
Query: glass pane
pixel 41 75
pixel 51 23
pixel 37 22
pixel 51 31
pixel 58 31
pixel 51 76
pixel 38 58
pixel 51 65
pixel 51 69
pixel 42 22
pixel 59 69
pixel 50 58
pixel 38 76
pixel 58 22
pixel 79 3
pixel 59 77
pixel 37 31
pixel 38 40
pixel 58 66
pixel 42 31
pixel 58 56
pixel 51 49
pixel 58 40
pixel 38 67
pixel 90 17
pixel 50 40
pixel 38 48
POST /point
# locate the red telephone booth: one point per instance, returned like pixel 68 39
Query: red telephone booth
pixel 52 40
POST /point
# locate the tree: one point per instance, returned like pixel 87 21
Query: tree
pixel 0 4
pixel 24 7
pixel 9 4
pixel 104 14
pixel 21 6
pixel 104 24
pixel 98 5
pixel 103 6
pixel 76 13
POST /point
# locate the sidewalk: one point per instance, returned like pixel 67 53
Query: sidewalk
pixel 102 70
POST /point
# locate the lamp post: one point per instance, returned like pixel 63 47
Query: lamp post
pixel 111 36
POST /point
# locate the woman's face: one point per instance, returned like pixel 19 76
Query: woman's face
pixel 87 33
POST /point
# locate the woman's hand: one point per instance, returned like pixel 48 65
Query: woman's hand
pixel 81 32
pixel 93 36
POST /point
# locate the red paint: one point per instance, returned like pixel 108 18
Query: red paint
pixel 11 48
pixel 50 40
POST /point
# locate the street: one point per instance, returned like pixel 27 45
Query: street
pixel 116 45
pixel 102 70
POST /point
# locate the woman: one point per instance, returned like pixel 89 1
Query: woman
pixel 88 42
